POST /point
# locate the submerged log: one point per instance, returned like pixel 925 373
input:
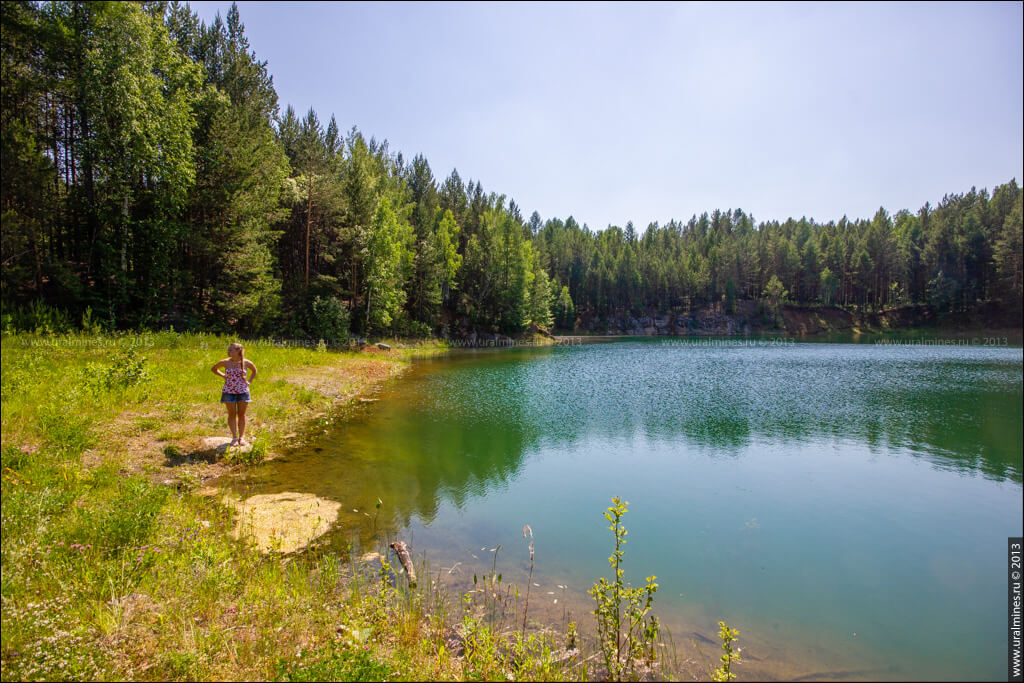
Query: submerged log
pixel 402 551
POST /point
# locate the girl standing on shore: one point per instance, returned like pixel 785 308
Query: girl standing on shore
pixel 235 394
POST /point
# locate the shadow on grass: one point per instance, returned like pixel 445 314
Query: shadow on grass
pixel 211 451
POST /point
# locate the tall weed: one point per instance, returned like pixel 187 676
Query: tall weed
pixel 627 633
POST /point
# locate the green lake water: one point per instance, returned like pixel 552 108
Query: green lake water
pixel 845 506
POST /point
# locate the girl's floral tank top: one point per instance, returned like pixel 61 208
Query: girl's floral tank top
pixel 234 381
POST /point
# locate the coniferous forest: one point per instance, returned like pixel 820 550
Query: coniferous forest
pixel 151 178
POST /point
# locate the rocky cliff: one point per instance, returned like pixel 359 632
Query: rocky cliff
pixel 750 318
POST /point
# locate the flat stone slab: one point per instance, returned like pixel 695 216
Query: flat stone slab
pixel 219 444
pixel 283 522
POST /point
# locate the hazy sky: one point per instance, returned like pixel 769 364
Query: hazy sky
pixel 646 112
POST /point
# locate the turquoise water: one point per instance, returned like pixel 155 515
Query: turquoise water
pixel 846 506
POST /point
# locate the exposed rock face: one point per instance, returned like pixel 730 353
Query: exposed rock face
pixel 700 323
pixel 807 321
pixel 746 318
pixel 714 323
pixel 750 317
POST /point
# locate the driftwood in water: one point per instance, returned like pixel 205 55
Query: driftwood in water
pixel 403 556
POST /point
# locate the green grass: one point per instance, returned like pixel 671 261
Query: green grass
pixel 335 664
pixel 110 574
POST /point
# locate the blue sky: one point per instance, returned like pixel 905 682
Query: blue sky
pixel 646 112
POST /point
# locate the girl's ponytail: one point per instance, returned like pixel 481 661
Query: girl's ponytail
pixel 241 359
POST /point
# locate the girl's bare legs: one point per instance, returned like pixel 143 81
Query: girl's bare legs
pixel 231 422
pixel 241 422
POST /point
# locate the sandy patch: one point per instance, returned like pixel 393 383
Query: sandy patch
pixel 345 381
pixel 283 522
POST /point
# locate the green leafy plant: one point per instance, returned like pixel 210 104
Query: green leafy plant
pixel 329 320
pixel 334 664
pixel 127 369
pixel 258 452
pixel 40 318
pixel 13 457
pixel 251 455
pixel 625 628
pixel 68 434
pixel 730 656
pixel 91 324
pixel 127 520
pixel 482 656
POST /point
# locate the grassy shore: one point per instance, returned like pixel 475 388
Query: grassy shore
pixel 113 567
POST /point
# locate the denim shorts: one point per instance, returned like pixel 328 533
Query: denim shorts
pixel 225 397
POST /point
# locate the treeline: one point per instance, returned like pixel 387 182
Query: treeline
pixel 954 256
pixel 150 178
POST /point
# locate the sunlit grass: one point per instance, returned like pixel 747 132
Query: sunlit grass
pixel 109 573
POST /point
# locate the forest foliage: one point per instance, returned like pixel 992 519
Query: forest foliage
pixel 150 178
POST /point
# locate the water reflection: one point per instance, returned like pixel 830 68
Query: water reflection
pixel 459 427
pixel 762 479
pixel 412 453
pixel 959 407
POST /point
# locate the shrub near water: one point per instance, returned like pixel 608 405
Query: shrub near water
pixel 627 635
pixel 731 654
